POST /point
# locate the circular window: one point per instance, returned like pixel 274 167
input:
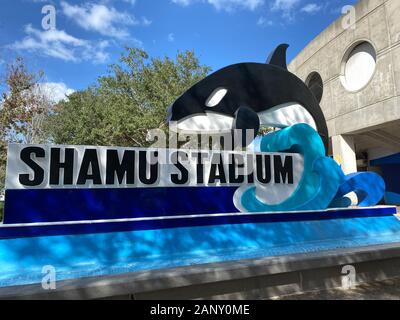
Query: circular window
pixel 314 83
pixel 358 66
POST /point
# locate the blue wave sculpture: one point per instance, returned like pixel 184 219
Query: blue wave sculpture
pixel 368 186
pixel 323 182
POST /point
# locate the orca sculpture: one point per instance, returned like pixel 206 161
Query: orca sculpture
pixel 247 96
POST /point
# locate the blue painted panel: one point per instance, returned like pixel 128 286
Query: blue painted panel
pixel 391 175
pixel 110 253
pixel 391 172
pixel 392 198
pixel 393 159
pixel 52 205
pixel 7 232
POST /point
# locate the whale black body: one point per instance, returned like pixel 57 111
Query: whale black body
pixel 251 89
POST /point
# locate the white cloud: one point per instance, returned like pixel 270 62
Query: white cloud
pixel 263 22
pixel 284 5
pixel 103 19
pixel 55 91
pixel 171 37
pixel 227 5
pixel 61 45
pixel 311 8
pixel 183 2
pixel 132 2
pixel 287 7
pixel 146 22
pixel 232 4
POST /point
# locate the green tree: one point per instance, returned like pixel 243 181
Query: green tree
pixel 23 108
pixel 125 104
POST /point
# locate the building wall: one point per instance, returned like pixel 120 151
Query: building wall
pixel 364 125
pixel 378 22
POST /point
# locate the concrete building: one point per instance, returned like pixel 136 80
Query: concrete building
pixel 353 69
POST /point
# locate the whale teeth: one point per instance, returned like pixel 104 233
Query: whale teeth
pixel 286 115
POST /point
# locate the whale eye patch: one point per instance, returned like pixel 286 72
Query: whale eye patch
pixel 216 97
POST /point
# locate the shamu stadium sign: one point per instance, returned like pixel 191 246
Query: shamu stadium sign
pixel 67 189
pixel 101 167
pixel 100 183
pixel 58 183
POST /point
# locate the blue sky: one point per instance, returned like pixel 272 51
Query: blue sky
pixel 89 35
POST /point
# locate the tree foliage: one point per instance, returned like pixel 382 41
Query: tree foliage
pixel 125 104
pixel 23 109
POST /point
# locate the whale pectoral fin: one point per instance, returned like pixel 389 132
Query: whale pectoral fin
pixel 247 123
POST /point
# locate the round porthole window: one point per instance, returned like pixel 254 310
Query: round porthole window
pixel 316 86
pixel 358 66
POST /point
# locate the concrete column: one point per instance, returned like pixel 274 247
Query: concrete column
pixel 344 153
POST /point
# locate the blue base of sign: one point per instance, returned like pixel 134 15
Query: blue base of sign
pixel 98 254
pixel 56 205
pixel 9 231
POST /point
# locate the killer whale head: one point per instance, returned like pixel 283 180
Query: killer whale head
pixel 247 96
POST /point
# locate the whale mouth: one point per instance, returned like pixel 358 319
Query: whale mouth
pixel 210 123
pixel 280 116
